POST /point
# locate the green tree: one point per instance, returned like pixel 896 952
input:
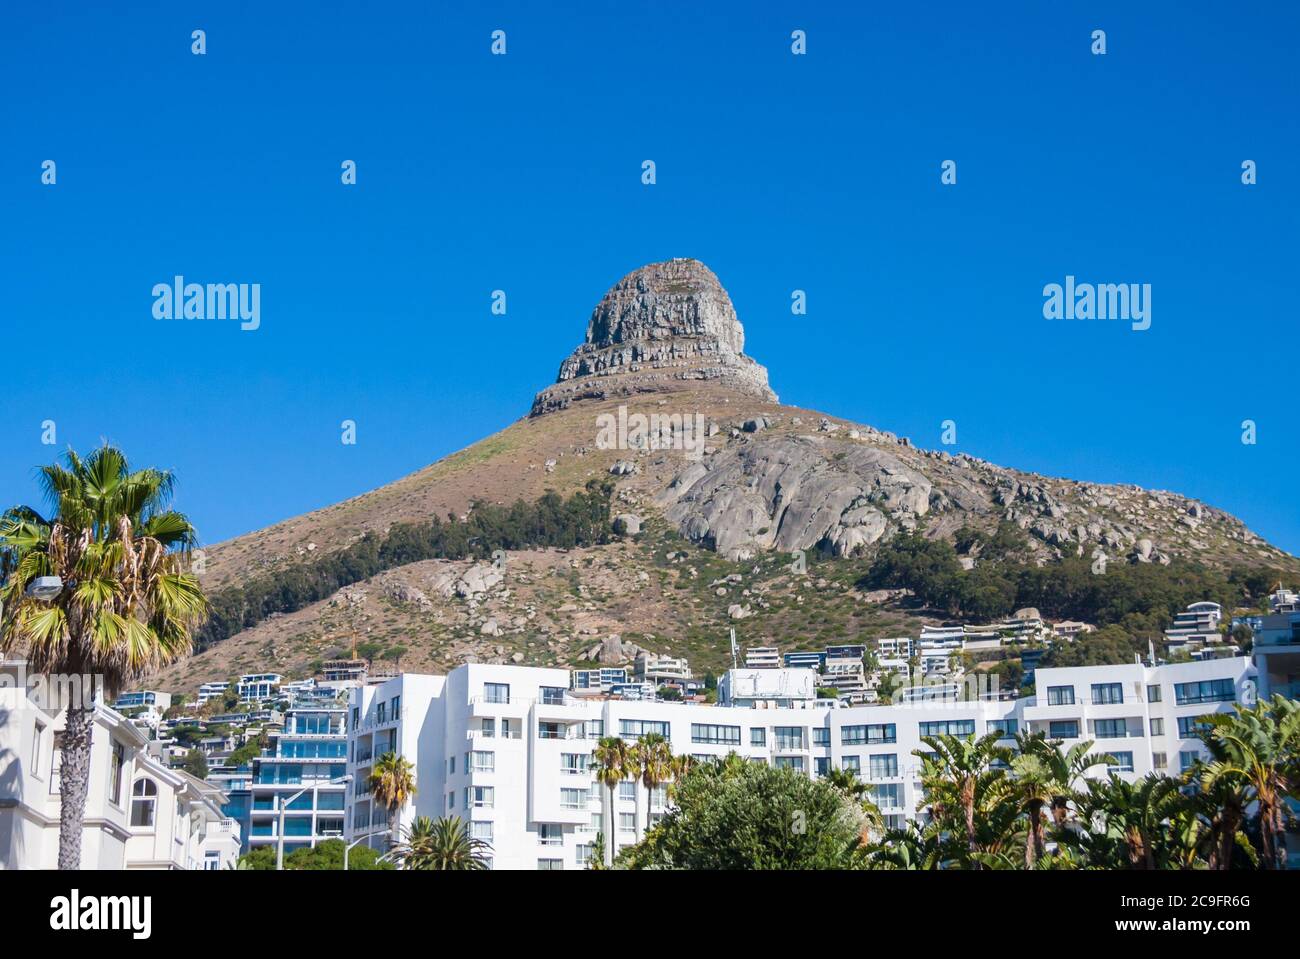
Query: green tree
pixel 744 815
pixel 324 855
pixel 196 764
pixel 1258 748
pixel 612 762
pixel 442 844
pixel 956 774
pixel 128 604
pixel 392 784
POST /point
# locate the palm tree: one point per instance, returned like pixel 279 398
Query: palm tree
pixel 859 793
pixel 653 764
pixel 1064 768
pixel 128 605
pixel 443 844
pixel 392 783
pixel 611 763
pixel 956 772
pixel 1132 820
pixel 1033 788
pixel 1258 749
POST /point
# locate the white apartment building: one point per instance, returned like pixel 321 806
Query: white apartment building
pixel 139 814
pixel 651 668
pixel 762 657
pixel 1195 626
pixel 509 749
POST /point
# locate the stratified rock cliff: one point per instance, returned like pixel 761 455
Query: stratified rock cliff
pixel 664 325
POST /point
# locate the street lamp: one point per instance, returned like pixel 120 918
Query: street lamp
pixel 44 588
pixel 282 803
pixel 348 848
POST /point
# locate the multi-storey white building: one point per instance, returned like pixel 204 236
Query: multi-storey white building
pixel 509 749
pixel 763 657
pixel 139 814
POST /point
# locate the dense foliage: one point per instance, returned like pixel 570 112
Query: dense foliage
pixel 324 855
pixel 735 814
pixel 1141 598
pixel 990 805
pixel 549 521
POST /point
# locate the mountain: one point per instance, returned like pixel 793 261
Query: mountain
pixel 715 485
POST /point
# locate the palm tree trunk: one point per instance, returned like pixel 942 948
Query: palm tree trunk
pixel 636 817
pixel 607 826
pixel 1268 818
pixel 74 781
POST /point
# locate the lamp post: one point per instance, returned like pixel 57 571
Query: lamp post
pixel 281 802
pixel 348 848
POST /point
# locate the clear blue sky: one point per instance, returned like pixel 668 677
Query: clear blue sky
pixel 522 173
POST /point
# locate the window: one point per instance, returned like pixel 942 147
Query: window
pixel 1063 729
pixel 482 796
pixel 573 798
pixel 211 861
pixel 636 728
pixel 821 736
pixel 1187 759
pixel 496 692
pixel 395 705
pixel 789 762
pixel 451 765
pixel 868 735
pixel 627 790
pixel 381 713
pixel 1153 694
pixel 883 766
pixel 144 800
pixel 1005 728
pixel 888 795
pixel 582 853
pixel 1191 727
pixel 451 800
pixel 1123 763
pixel 550 731
pixel 573 764
pixel 481 830
pixel 1159 760
pixel 1107 694
pixel 789 737
pixel 852 763
pixel 1110 728
pixel 1060 695
pixel 116 762
pixel 627 822
pixel 551 695
pixel 56 761
pixel 717 735
pixel 550 834
pixel 821 765
pixel 758 737
pixel 593 729
pixel 38 742
pixel 1157 727
pixel 1207 691
pixel 550 865
pixel 482 761
pixel 948 727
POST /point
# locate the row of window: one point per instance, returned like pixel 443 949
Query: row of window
pixel 1185 694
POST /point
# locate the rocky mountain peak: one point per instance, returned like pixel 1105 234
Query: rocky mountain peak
pixel 658 328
